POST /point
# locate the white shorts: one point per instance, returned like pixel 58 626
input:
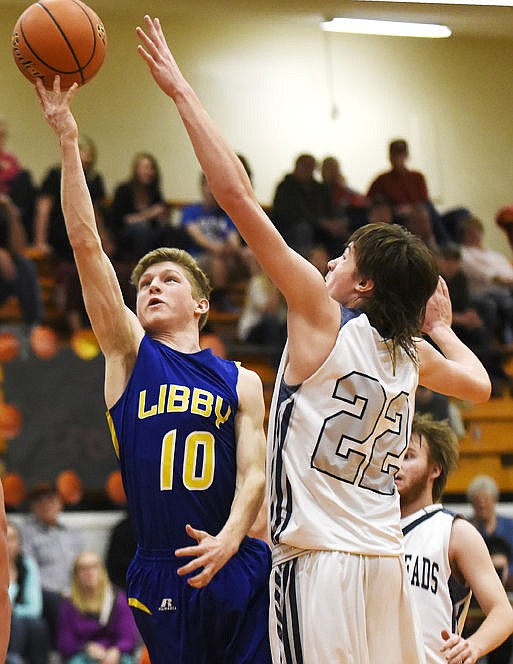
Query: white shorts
pixel 330 607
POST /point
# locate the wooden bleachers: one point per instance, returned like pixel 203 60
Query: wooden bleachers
pixel 487 446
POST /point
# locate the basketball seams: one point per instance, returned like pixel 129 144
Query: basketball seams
pixel 79 69
pixel 40 59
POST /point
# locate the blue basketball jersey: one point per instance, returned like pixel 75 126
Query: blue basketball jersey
pixel 174 433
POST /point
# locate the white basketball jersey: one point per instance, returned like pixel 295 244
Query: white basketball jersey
pixel 335 444
pixel 441 602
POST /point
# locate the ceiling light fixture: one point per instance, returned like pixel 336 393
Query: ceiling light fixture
pixel 388 28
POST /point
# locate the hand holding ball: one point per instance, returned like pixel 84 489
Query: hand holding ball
pixel 62 37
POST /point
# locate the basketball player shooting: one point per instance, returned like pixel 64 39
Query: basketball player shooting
pixel 341 412
pixel 187 428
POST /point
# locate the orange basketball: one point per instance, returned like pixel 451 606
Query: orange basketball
pixel 115 489
pixel 62 37
pixel 10 421
pixel 69 486
pixel 9 346
pixel 14 489
pixel 44 342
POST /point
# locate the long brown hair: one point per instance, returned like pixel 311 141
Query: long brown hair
pixel 405 275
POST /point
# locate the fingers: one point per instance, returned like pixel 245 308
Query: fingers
pixel 202 578
pixel 198 535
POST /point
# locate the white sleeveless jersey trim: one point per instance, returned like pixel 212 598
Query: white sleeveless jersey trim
pixel 335 443
pixel 440 601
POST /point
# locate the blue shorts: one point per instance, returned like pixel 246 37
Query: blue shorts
pixel 226 622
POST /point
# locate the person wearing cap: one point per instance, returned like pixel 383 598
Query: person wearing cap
pixel 53 545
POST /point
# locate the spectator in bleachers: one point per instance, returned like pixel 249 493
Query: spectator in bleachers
pixel 50 232
pixel 121 548
pixel 501 555
pixel 50 236
pixel 16 182
pixel 319 258
pixel 263 319
pixel 216 244
pixel 402 187
pixel 29 640
pixel 489 273
pixel 53 546
pixel 418 222
pixel 139 217
pixel 380 212
pixel 347 203
pixel 9 165
pixel 483 494
pixel 434 403
pixel 303 211
pixel 18 274
pixel 472 320
pixel 95 624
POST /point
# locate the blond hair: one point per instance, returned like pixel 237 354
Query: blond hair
pixel 200 283
pixel 84 602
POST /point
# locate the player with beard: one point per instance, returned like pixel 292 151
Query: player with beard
pixel 446 557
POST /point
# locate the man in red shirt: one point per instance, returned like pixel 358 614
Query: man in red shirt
pixel 400 186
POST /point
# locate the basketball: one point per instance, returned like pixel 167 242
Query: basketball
pixel 62 37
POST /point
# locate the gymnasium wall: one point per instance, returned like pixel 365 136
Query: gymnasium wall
pixel 278 88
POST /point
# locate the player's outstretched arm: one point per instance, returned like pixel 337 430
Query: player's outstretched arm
pixel 5 602
pixel 471 560
pixel 211 553
pixel 229 182
pixel 456 371
pixel 114 324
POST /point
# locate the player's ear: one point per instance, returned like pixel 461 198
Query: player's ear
pixel 436 471
pixel 202 306
pixel 364 287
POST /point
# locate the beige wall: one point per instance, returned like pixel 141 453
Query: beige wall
pixel 281 88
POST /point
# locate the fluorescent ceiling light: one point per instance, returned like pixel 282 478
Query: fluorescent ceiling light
pixel 389 28
pixel 477 3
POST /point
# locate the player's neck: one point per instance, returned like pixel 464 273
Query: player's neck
pixel 415 505
pixel 185 341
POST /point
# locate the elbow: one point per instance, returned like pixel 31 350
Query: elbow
pixel 482 391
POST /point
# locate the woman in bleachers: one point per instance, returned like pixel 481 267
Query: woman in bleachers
pixel 95 622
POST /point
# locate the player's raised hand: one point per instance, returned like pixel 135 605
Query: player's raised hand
pixel 57 107
pixel 438 308
pixel 157 55
pixel 209 553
